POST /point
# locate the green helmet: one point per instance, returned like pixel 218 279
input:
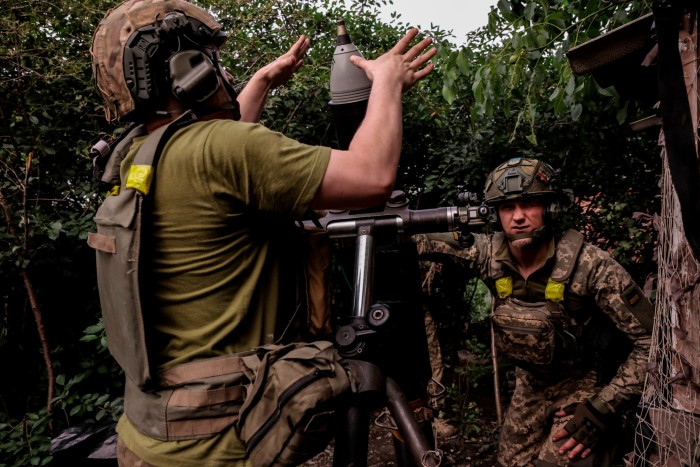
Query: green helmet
pixel 520 178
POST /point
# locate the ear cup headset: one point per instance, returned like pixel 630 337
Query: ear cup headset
pixel 177 55
pixel 193 76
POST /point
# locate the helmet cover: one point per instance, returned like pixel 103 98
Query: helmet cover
pixel 521 178
pixel 112 36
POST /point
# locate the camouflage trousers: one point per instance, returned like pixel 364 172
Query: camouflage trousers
pixel 526 435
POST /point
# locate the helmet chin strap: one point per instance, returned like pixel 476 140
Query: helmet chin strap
pixel 231 108
pixel 233 105
pixel 537 233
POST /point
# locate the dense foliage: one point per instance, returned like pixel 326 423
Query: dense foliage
pixel 508 91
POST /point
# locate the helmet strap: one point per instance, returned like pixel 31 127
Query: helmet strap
pixel 233 106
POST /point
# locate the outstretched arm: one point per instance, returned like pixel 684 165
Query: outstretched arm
pixel 253 96
pixel 364 175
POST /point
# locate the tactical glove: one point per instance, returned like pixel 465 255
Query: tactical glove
pixel 592 419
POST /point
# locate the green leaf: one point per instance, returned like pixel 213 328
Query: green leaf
pixel 94 329
pixel 570 86
pixel 463 61
pixel 505 9
pixel 555 94
pixel 491 25
pixel 622 114
pixel 515 40
pixel 576 112
pixel 534 54
pixel 530 11
pixel 449 93
pixel 607 92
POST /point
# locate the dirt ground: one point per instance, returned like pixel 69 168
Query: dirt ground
pixel 458 450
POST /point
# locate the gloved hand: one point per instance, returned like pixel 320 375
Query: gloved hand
pixel 592 420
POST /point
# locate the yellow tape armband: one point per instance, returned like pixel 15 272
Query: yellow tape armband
pixel 114 191
pixel 140 177
pixel 554 290
pixel 504 286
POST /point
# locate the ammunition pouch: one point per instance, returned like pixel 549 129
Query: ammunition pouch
pixel 193 400
pixel 281 400
pixel 289 413
pixel 533 333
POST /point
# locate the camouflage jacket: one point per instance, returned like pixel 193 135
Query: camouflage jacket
pixel 598 286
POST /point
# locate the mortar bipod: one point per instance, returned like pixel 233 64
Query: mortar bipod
pixel 352 436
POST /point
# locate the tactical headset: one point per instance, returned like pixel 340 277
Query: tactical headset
pixel 177 55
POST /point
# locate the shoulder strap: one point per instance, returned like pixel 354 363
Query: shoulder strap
pixel 107 171
pixel 568 249
pixel 565 256
pixel 143 168
pixel 150 150
pixel 495 267
pixel 118 245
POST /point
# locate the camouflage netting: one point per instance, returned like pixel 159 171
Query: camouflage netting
pixel 668 433
pixel 669 429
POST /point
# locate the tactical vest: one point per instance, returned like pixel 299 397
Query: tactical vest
pixel 278 418
pixel 192 400
pixel 537 334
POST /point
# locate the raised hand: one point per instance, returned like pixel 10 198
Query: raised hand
pixel 279 71
pixel 253 96
pixel 405 67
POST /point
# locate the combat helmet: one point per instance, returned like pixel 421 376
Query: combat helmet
pixel 523 179
pixel 143 51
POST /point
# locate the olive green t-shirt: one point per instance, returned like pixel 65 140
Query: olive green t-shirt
pixel 224 194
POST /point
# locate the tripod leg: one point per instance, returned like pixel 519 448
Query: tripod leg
pixel 401 450
pixel 352 433
pixel 352 437
pixel 420 450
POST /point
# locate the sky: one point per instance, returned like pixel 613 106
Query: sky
pixel 461 16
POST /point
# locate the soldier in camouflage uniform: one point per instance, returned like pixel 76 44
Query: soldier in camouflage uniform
pixel 566 313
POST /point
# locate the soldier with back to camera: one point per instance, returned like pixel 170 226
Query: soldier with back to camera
pixel 572 320
pixel 224 189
